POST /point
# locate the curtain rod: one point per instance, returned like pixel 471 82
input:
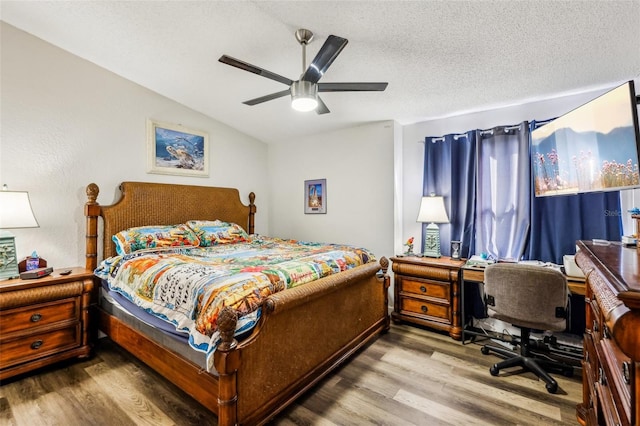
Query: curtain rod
pixel 482 132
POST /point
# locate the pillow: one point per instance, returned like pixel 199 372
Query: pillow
pixel 145 237
pixel 213 232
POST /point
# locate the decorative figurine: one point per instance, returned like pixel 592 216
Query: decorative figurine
pixel 409 245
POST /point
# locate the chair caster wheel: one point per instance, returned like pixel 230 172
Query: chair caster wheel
pixel 494 370
pixel 552 387
pixel 567 372
pixel 484 350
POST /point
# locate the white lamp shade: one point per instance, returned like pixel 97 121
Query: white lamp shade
pixel 432 210
pixel 15 210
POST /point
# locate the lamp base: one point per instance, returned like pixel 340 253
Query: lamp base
pixel 8 257
pixel 432 241
pixel 431 255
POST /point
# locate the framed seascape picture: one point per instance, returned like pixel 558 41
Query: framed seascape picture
pixel 315 196
pixel 176 150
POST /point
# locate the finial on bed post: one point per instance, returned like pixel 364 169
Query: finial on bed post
pixel 386 283
pixel 252 213
pixel 92 211
pixel 384 264
pixel 227 321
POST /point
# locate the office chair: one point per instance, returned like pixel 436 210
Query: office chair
pixel 529 297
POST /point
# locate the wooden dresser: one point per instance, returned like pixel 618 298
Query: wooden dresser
pixel 611 365
pixel 44 320
pixel 427 292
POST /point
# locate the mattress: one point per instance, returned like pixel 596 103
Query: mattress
pixel 157 330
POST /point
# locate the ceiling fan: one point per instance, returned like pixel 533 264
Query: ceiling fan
pixel 304 91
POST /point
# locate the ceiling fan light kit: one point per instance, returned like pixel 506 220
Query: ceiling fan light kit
pixel 304 96
pixel 304 92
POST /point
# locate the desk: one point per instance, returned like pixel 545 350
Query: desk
pixel 474 274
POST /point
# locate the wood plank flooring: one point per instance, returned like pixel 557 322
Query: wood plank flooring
pixel 409 376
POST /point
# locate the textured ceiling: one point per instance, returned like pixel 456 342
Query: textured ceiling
pixel 441 58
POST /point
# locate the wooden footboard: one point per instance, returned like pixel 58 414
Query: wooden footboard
pixel 306 333
pixel 303 334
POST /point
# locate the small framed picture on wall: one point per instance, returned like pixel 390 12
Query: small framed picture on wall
pixel 455 249
pixel 315 196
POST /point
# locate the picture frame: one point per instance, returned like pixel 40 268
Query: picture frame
pixel 315 196
pixel 455 249
pixel 173 149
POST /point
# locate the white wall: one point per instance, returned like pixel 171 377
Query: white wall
pixel 358 165
pixel 413 148
pixel 66 122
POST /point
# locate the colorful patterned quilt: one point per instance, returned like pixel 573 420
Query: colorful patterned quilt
pixel 188 287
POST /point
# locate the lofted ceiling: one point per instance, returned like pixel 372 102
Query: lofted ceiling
pixel 440 58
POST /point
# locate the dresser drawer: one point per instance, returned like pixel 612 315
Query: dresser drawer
pixel 606 411
pixel 618 373
pixel 434 289
pixel 424 308
pixel 38 315
pixel 23 349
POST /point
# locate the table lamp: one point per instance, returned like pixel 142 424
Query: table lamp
pixel 15 212
pixel 432 211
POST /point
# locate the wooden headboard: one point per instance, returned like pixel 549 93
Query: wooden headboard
pixel 144 203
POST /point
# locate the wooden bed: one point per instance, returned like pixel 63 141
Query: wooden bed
pixel 303 334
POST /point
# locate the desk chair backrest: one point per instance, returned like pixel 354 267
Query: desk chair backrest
pixel 527 296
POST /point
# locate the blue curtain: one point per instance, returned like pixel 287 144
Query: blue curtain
pixel 450 171
pixel 558 221
pixel 502 208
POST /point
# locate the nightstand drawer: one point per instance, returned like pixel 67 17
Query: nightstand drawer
pixel 433 289
pixel 38 315
pixel 425 308
pixel 27 348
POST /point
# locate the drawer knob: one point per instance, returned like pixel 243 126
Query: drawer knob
pixel 605 332
pixel 424 309
pixel 36 317
pixel 423 289
pixel 626 367
pixel 36 345
pixel 601 377
pixel 595 325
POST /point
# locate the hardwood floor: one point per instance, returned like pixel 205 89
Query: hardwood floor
pixel 409 376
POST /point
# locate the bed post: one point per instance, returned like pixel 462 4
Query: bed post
pixel 226 360
pixel 92 211
pixel 252 213
pixel 384 265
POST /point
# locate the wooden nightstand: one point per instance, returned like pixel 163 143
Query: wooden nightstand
pixel 426 292
pixel 44 320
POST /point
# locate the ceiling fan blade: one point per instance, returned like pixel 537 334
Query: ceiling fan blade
pixel 256 70
pixel 266 98
pixel 321 108
pixel 325 57
pixel 351 87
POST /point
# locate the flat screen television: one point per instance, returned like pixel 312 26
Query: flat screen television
pixel 591 148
